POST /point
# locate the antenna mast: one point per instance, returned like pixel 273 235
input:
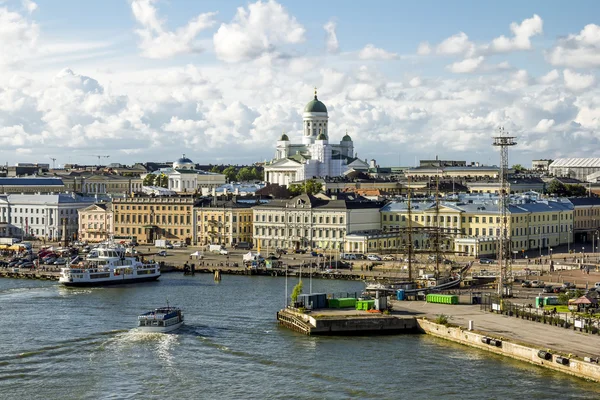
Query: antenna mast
pixel 506 277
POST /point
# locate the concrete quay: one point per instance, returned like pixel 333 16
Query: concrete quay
pixel 517 338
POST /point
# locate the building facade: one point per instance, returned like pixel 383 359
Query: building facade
pixel 578 168
pixel 223 222
pixel 96 223
pixel 31 185
pixel 586 218
pixel 307 221
pixel 183 177
pixel 316 156
pixel 45 216
pixel 146 219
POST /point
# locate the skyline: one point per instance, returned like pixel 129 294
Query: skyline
pixel 219 81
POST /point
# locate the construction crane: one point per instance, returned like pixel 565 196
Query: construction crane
pixel 99 157
pixel 53 160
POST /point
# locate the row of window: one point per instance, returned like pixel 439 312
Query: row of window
pixel 243 218
pixel 152 208
pixel 298 219
pixel 145 219
pixel 320 233
pixel 174 231
pixel 449 219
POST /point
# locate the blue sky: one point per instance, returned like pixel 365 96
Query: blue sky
pixel 150 79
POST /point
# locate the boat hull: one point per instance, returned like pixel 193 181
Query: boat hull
pixel 109 282
pixel 160 329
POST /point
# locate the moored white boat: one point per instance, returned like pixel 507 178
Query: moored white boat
pixel 108 265
pixel 161 320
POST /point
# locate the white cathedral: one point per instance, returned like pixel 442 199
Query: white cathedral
pixel 315 157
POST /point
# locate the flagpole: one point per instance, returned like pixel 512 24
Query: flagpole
pixel 310 279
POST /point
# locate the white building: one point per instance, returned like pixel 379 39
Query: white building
pixel 40 215
pixel 185 178
pixel 315 156
pixel 578 168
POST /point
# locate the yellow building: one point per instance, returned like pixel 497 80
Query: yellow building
pixel 473 227
pixel 147 219
pixel 96 223
pixel 586 218
pixel 223 222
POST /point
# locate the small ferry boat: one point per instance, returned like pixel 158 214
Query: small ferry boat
pixel 108 265
pixel 161 320
pixel 425 284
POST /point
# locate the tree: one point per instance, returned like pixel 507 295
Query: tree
pixel 258 175
pixel 556 188
pixel 296 291
pixel 162 180
pixel 149 180
pixel 518 168
pixel 245 174
pixel 215 169
pixel 309 186
pixel 576 190
pixel 230 173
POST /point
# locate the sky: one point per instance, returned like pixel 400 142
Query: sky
pixel 220 80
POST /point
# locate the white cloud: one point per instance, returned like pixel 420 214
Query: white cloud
pixel 29 5
pixel 259 30
pixel 332 43
pixel 415 82
pixel 466 66
pixel 18 37
pixel 157 41
pixel 424 49
pixel 370 52
pixel 456 45
pixel 544 125
pixel 550 77
pixel 578 51
pixel 577 82
pixel 522 36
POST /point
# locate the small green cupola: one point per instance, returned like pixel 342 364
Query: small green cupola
pixel 284 137
pixel 322 136
pixel 315 105
pixel 346 138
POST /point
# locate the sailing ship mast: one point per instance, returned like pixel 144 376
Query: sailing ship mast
pixel 410 242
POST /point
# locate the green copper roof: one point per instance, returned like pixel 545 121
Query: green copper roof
pixel 284 137
pixel 346 138
pixel 322 136
pixel 315 105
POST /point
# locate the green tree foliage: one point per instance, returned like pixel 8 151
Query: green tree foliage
pixel 150 180
pixel 561 190
pixel 162 180
pixel 297 291
pixel 310 186
pixel 518 168
pixel 245 174
pixel 230 173
pixel 215 169
pixel 258 175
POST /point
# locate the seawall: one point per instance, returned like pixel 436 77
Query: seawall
pixel 559 362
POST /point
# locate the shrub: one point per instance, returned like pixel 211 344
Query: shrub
pixel 442 319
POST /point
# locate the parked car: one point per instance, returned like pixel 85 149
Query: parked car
pixel 162 253
pixel 568 285
pixel 223 252
pixel 315 254
pixel 548 289
pixel 373 257
pixel 169 246
pixel 526 284
pixel 486 261
pixel 3 264
pixel 389 258
pixel 60 261
pixel 559 289
pixel 27 264
pixel 300 251
pixel 537 284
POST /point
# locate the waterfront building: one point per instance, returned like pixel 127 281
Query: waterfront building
pixel 92 183
pixel 96 223
pixel 45 216
pixel 316 156
pixel 472 224
pixel 308 221
pixel 355 183
pixel 225 222
pixel 31 185
pixel 147 219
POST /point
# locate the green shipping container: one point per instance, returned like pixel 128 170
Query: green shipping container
pixel 442 298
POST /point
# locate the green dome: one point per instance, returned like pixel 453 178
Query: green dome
pixel 346 138
pixel 284 137
pixel 315 105
pixel 321 136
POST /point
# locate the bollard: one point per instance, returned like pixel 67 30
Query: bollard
pixel 470 325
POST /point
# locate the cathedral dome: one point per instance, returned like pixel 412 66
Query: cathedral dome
pixel 184 163
pixel 315 105
pixel 346 138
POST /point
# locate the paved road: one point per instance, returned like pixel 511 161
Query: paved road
pixel 565 341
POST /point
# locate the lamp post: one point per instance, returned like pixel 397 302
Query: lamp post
pixel 569 240
pixel 540 240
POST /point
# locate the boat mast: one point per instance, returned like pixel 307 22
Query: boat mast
pixel 410 243
pixel 437 226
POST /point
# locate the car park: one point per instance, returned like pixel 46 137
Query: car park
pixel 373 257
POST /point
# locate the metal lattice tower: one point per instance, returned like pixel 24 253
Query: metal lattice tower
pixel 506 277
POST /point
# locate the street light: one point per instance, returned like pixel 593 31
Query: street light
pixel 540 240
pixel 569 240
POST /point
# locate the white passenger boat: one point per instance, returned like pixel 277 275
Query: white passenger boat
pixel 108 265
pixel 161 320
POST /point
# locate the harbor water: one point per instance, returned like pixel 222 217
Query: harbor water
pixel 69 343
